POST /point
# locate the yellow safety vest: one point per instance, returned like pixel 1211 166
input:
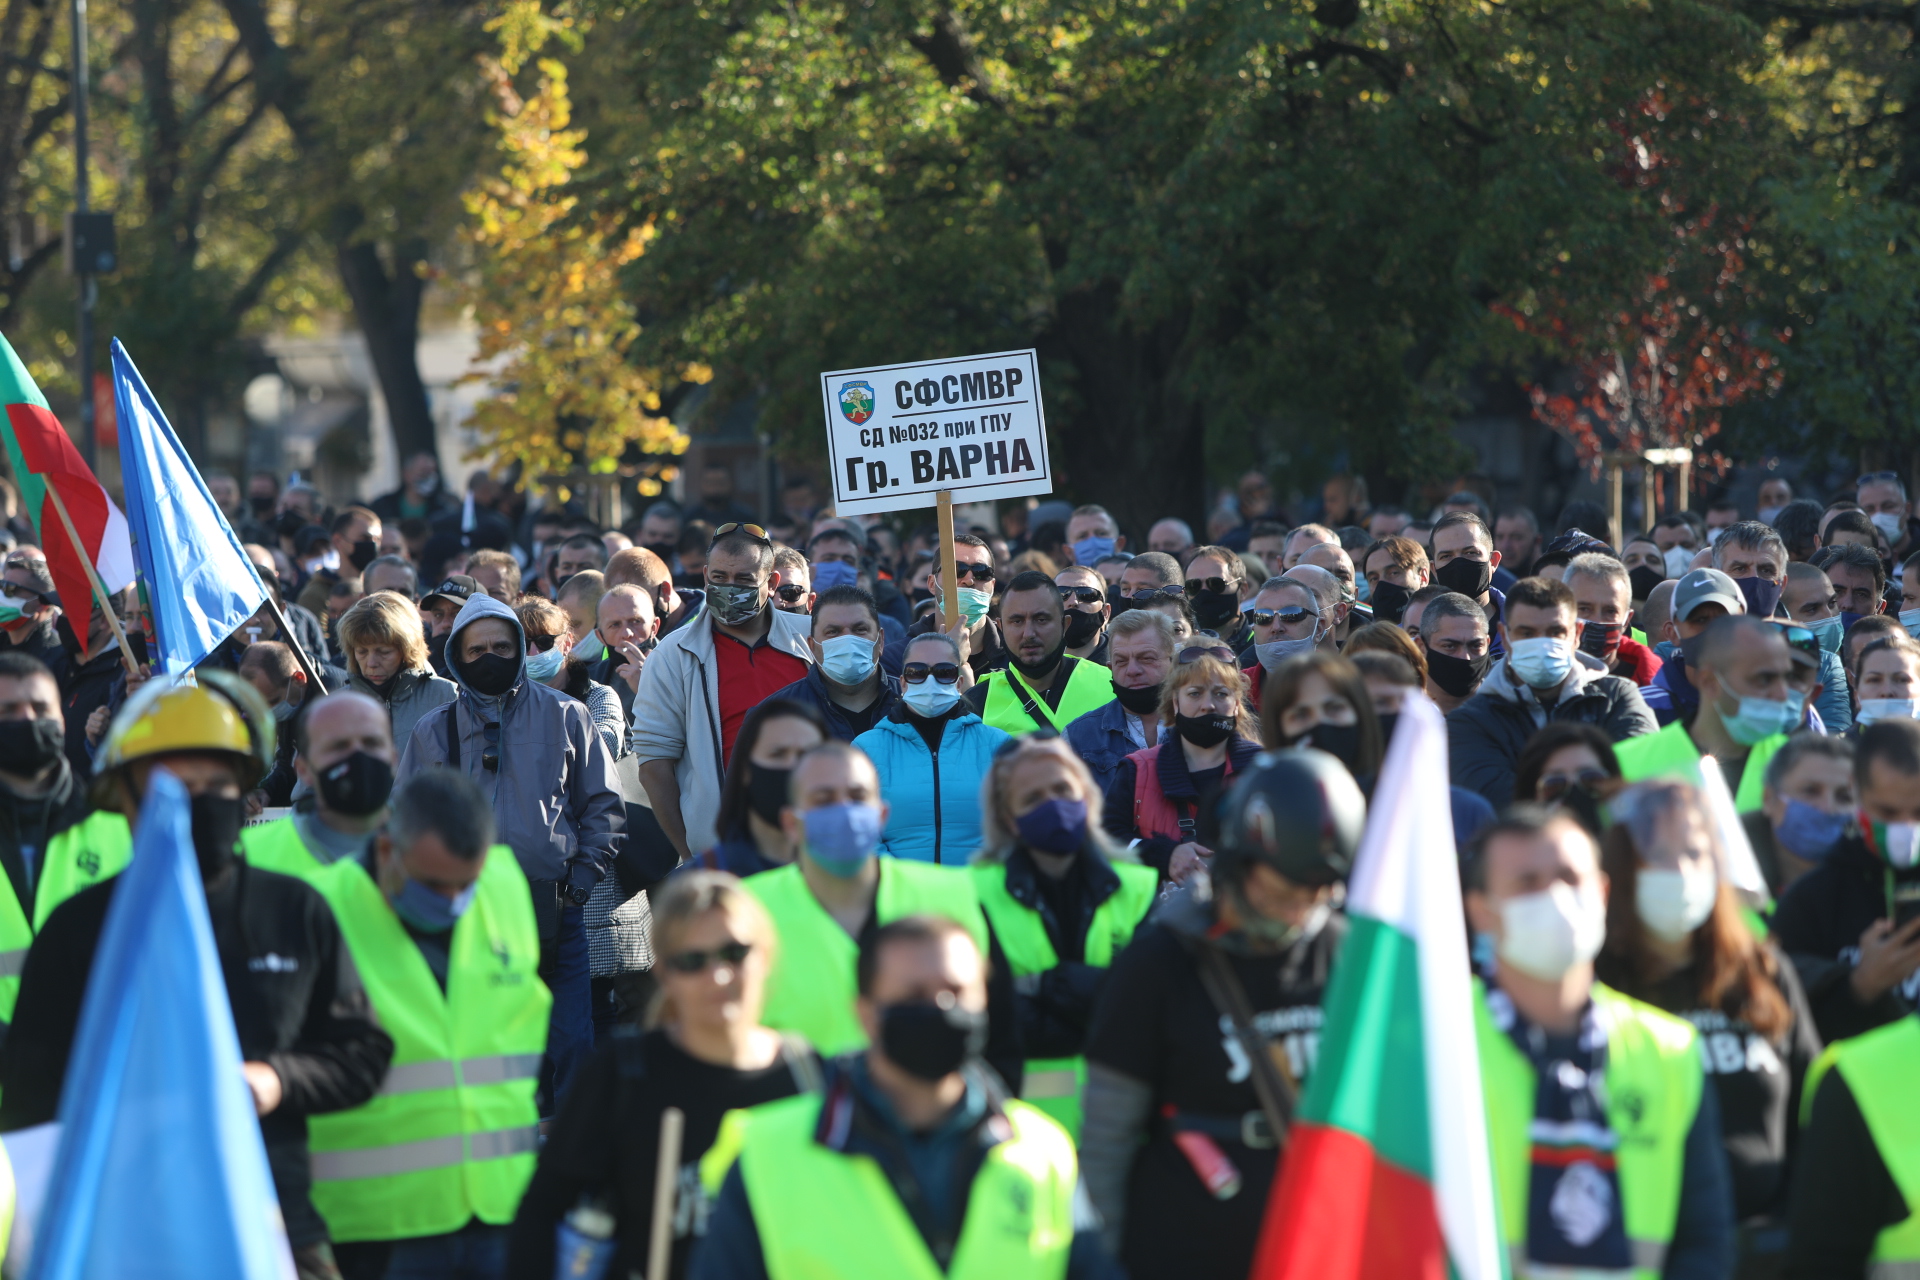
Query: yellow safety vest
pixel 452 1133
pixel 1670 753
pixel 822 1215
pixel 1054 1084
pixel 1879 1068
pixel 1089 687
pixel 277 846
pixel 96 848
pixel 811 990
pixel 1653 1085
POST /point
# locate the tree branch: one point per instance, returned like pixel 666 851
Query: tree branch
pixel 248 295
pixel 950 51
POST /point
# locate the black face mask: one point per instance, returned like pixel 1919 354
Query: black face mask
pixel 216 829
pixel 1457 677
pixel 767 791
pixel 1341 741
pixel 1387 721
pixel 1139 701
pixel 356 786
pixel 262 507
pixel 491 674
pixel 1215 609
pixel 289 522
pixel 927 1041
pixel 1390 601
pixel 1468 577
pixel 1644 580
pixel 1044 667
pixel 1691 648
pixel 1204 731
pixel 1082 627
pixel 28 746
pixel 364 553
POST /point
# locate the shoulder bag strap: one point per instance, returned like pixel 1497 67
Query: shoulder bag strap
pixel 453 735
pixel 1272 1083
pixel 1034 710
pixel 801 1062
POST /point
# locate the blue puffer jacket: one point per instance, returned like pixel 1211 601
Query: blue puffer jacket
pixel 933 801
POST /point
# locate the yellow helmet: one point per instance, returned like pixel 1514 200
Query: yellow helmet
pixel 206 711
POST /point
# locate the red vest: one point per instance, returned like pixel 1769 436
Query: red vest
pixel 1153 813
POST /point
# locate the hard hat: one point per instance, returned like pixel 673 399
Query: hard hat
pixel 206 711
pixel 1297 811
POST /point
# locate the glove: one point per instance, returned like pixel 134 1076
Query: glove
pixel 581 879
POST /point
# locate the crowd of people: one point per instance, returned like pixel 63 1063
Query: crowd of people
pixel 548 862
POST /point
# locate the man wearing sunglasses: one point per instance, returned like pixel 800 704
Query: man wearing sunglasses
pixel 1212 585
pixel 1084 593
pixel 1286 623
pixel 986 650
pixel 1043 686
pixel 549 779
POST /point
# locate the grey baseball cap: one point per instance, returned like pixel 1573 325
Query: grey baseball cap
pixel 1703 586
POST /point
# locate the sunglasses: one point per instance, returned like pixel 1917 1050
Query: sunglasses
pixel 1287 617
pixel 491 756
pixel 542 644
pixel 697 961
pixel 1216 585
pixel 1144 598
pixel 942 672
pixel 962 571
pixel 1554 785
pixel 790 592
pixel 1210 651
pixel 1084 595
pixel 753 531
pixel 1874 477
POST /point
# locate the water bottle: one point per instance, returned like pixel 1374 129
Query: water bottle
pixel 583 1242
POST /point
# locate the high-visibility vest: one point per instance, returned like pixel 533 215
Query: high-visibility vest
pixel 810 991
pixel 1054 1084
pixel 823 1215
pixel 277 846
pixel 1652 1089
pixel 451 1135
pixel 96 848
pixel 1879 1068
pixel 1089 687
pixel 1670 753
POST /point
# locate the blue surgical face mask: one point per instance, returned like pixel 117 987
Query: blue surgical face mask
pixel 545 666
pixel 1055 826
pixel 841 837
pixel 1758 719
pixel 429 910
pixel 829 574
pixel 930 699
pixel 1829 631
pixel 1769 514
pixel 1809 833
pixel 1874 710
pixel 1272 653
pixel 1798 702
pixel 1910 619
pixel 847 660
pixel 1091 549
pixel 1543 662
pixel 974 604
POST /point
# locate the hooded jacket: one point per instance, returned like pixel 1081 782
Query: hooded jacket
pixel 411 695
pixel 1486 733
pixel 676 713
pixel 556 801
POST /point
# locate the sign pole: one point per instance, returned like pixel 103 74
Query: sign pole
pixel 949 570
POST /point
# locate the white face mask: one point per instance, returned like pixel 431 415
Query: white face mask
pixel 1902 844
pixel 1543 662
pixel 1678 558
pixel 1545 934
pixel 1874 710
pixel 1672 904
pixel 1892 525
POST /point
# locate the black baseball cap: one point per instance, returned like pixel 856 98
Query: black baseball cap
pixel 456 588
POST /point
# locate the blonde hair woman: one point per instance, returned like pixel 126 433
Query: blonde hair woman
pixel 703 1051
pixel 1062 899
pixel 386 649
pixel 1161 795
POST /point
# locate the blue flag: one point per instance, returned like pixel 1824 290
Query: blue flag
pixel 200 585
pixel 161 1172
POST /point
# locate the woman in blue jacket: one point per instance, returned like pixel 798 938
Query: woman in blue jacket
pixel 932 753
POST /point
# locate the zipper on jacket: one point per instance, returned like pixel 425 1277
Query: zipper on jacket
pixel 935 753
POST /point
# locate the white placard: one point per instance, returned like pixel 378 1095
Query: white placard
pixel 898 435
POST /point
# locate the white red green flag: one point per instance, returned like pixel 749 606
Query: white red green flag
pixel 1386 1174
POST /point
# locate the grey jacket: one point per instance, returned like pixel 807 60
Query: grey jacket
pixel 555 798
pixel 414 693
pixel 676 713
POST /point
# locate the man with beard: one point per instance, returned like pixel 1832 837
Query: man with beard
pixel 1044 687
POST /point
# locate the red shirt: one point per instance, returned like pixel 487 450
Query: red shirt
pixel 748 676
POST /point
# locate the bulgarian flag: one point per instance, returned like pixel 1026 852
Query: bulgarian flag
pixel 45 463
pixel 1386 1174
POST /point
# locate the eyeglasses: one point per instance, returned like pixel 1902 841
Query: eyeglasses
pixel 697 961
pixel 942 672
pixel 1288 616
pixel 542 644
pixel 753 531
pixel 790 592
pixel 1554 785
pixel 1154 594
pixel 962 571
pixel 491 756
pixel 1210 651
pixel 1216 585
pixel 1084 595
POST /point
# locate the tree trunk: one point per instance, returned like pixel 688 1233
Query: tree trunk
pixel 387 306
pixel 1137 443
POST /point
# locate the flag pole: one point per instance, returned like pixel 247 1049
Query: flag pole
pixel 99 588
pixel 293 643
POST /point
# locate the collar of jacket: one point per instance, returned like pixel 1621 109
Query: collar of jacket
pixel 956 714
pixel 1174 779
pixel 787 632
pixel 1023 879
pixel 404 683
pixel 843 1112
pixel 59 796
pixel 889 687
pixel 1501 684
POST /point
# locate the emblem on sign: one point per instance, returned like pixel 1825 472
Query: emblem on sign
pixel 856 401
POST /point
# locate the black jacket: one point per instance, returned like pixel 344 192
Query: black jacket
pixel 298 1006
pixel 1177 785
pixel 1843 1194
pixel 34 822
pixel 1054 1008
pixel 1486 733
pixel 1819 922
pixel 811 690
pixel 84 688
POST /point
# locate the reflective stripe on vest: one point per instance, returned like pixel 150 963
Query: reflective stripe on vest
pixel 822 1215
pixel 1670 753
pixel 1653 1086
pixel 12 962
pixel 1089 687
pixel 1053 1084
pixel 1879 1069
pixel 78 858
pixel 810 992
pixel 451 1134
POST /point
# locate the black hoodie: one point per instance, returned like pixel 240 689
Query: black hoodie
pixel 1819 922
